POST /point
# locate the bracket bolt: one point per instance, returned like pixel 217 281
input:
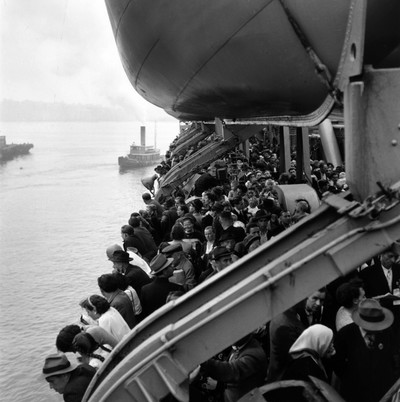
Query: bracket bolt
pixel 394 143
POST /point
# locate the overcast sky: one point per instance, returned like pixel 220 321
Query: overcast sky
pixel 62 51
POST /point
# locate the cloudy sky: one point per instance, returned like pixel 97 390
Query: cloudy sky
pixel 62 51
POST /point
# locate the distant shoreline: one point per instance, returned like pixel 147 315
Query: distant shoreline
pixel 32 111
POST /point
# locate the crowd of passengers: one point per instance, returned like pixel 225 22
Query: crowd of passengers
pixel 346 334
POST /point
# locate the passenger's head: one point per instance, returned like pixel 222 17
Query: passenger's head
pixel 209 234
pixel 134 221
pixel 388 257
pixel 302 206
pixel 108 283
pixel 226 219
pixel 262 219
pixel 372 317
pixel 146 197
pixel 285 218
pixel 350 294
pixel 120 260
pixel 161 266
pixel 188 224
pixel 220 258
pixel 126 231
pixel 195 206
pixel 95 306
pixel 84 344
pixel 177 232
pixel 317 338
pixel 252 228
pixel 65 337
pixel 251 242
pixel 182 210
pixel 57 371
pixel 110 250
pixel 179 200
pixel 208 198
pixel 315 301
pixel 227 240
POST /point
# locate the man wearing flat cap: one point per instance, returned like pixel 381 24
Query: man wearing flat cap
pixel 220 257
pixel 365 359
pixel 68 379
pixel 154 295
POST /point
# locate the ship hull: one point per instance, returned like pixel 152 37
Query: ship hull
pixel 242 59
pixel 14 150
pixel 127 162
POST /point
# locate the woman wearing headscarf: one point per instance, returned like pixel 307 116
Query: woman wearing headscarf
pixel 314 343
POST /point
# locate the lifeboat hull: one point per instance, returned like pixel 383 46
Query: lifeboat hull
pixel 244 59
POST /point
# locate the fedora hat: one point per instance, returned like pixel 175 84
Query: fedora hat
pixel 260 214
pixel 159 263
pixel 219 252
pixel 110 250
pixel 249 239
pixel 57 364
pixel 371 316
pixel 120 256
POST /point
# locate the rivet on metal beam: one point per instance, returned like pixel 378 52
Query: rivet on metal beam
pixel 394 143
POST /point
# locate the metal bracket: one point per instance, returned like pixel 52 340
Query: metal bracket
pixel 375 204
pixel 339 202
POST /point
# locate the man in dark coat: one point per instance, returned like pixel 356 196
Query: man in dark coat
pixel 226 221
pixel 284 329
pixel 383 277
pixel 206 181
pixel 245 369
pixel 109 287
pixel 154 295
pixel 69 380
pixel 131 239
pixel 135 275
pixel 146 197
pixel 365 356
pixel 150 247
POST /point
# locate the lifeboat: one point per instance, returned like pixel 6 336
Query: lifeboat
pixel 245 59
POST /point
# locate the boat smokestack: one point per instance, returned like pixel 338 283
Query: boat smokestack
pixel 143 136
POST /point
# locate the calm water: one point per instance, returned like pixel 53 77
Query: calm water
pixel 60 207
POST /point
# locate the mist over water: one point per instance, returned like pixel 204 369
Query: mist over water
pixel 60 207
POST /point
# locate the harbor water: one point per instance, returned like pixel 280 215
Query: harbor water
pixel 60 207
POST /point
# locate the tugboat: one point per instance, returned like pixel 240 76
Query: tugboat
pixel 140 155
pixel 10 151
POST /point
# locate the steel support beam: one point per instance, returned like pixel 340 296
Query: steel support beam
pixel 303 155
pixel 284 149
pixel 329 143
pixel 372 138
